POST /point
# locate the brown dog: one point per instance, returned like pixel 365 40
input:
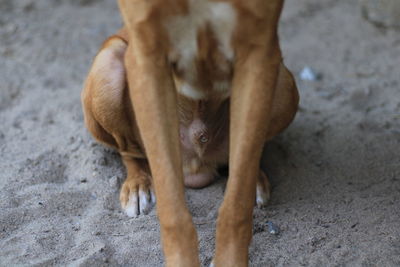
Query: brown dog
pixel 184 87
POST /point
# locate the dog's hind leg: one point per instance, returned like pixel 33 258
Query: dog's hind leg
pixel 110 119
pixel 283 110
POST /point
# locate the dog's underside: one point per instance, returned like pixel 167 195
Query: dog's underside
pixel 185 87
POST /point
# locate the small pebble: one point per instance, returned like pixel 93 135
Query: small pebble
pixel 273 228
pixel 113 181
pixel 102 161
pixel 307 74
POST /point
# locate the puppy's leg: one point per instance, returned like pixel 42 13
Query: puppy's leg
pixel 154 101
pixel 109 117
pixel 257 62
pixel 284 108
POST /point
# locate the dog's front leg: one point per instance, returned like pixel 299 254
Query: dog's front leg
pixel 258 58
pixel 154 101
pixel 250 109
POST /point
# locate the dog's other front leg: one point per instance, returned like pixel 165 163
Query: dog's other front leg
pixel 154 101
pixel 257 61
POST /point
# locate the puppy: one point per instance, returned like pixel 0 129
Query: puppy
pixel 195 53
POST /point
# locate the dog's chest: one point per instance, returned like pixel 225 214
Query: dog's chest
pixel 201 52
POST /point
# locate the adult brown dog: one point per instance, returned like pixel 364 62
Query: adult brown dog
pixel 186 86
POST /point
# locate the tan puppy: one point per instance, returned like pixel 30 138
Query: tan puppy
pixel 186 86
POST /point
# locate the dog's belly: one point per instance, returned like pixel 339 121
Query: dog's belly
pixel 200 49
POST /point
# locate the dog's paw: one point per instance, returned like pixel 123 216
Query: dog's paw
pixel 137 196
pixel 263 190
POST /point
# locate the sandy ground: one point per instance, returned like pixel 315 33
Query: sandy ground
pixel 335 171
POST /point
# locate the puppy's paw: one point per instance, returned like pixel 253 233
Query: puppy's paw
pixel 137 196
pixel 263 190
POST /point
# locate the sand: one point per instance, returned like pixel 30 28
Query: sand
pixel 335 172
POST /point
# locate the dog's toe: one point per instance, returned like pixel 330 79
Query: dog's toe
pixel 145 202
pixel 263 192
pixel 262 197
pixel 131 207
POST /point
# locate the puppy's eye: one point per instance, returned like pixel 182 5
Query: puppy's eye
pixel 204 138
